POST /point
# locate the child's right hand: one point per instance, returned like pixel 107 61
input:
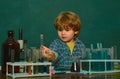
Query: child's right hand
pixel 44 51
pixel 47 53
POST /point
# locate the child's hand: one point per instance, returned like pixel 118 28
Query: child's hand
pixel 47 53
pixel 44 51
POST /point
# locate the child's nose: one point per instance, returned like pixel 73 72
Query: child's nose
pixel 63 32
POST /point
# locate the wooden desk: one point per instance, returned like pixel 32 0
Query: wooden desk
pixel 72 76
pixel 68 76
pixel 55 76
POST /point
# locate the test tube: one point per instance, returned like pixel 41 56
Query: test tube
pixel 42 68
pixel 98 46
pixel 41 43
pixel 41 39
pixel 91 46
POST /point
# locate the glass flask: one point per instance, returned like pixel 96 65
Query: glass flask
pixel 75 67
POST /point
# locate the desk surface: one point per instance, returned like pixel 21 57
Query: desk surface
pixel 72 76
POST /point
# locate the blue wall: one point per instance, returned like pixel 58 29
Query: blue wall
pixel 100 20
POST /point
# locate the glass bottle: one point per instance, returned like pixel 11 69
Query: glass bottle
pixel 25 49
pixel 21 43
pixel 10 50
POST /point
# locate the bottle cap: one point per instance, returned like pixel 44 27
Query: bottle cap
pixel 10 32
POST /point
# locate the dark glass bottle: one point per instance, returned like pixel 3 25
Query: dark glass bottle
pixel 10 50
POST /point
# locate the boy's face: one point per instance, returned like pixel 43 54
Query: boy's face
pixel 67 35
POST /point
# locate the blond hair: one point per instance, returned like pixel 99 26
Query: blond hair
pixel 68 20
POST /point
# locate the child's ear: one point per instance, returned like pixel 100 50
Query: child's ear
pixel 76 32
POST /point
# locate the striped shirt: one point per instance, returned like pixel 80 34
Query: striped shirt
pixel 64 57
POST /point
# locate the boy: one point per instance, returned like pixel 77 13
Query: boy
pixel 67 48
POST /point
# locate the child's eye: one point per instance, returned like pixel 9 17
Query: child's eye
pixel 59 30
